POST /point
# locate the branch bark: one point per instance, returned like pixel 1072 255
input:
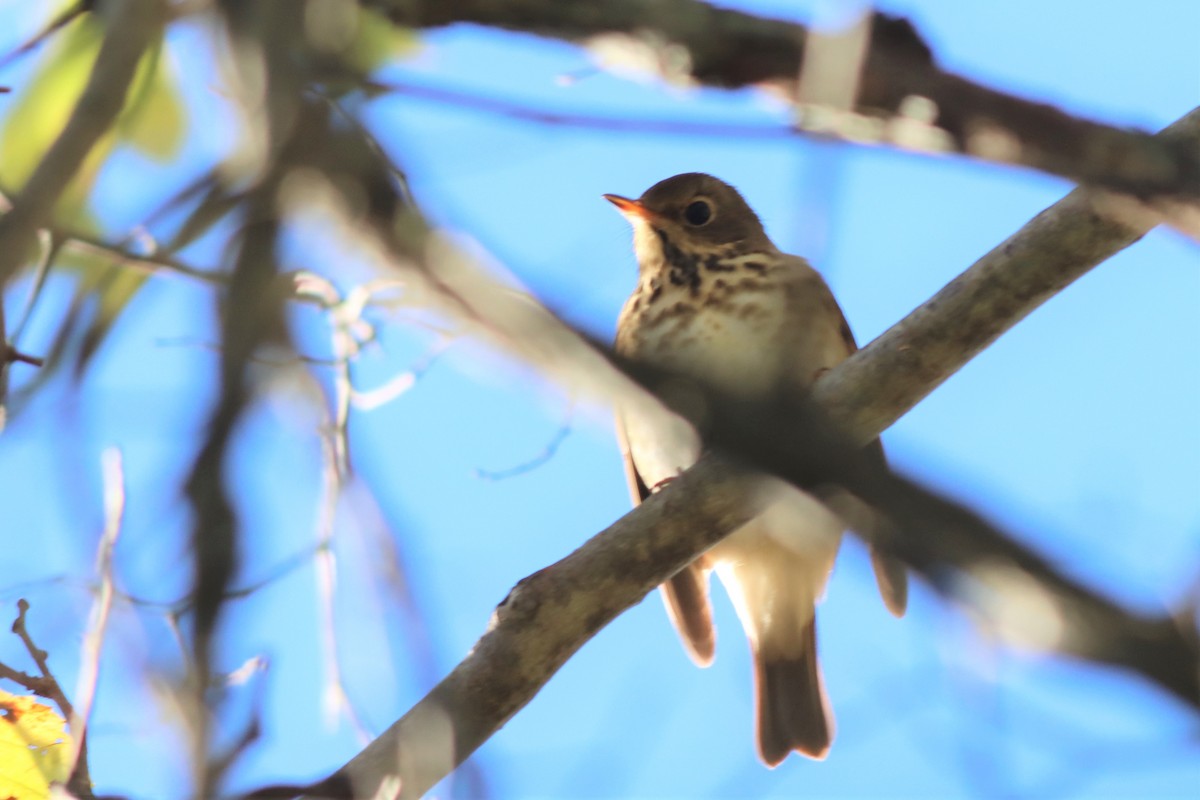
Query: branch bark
pixel 881 382
pixel 733 49
pixel 549 615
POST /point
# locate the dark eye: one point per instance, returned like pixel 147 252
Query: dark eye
pixel 698 213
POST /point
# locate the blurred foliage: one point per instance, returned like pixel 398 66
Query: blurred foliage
pixel 153 123
pixel 353 43
pixel 377 41
pixel 35 748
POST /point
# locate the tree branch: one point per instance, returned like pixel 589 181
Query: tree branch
pixel 79 781
pixel 731 49
pixel 548 616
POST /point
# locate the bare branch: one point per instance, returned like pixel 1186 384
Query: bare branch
pixel 85 688
pixel 132 26
pixel 690 40
pixel 251 312
pixel 14 356
pixel 151 263
pixel 543 456
pixel 50 688
pixel 59 21
pixel 343 313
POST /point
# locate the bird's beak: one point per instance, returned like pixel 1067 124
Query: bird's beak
pixel 630 208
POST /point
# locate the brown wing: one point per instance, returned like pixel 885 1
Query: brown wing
pixel 686 594
pixel 890 574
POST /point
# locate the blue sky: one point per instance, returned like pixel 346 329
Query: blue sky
pixel 1077 431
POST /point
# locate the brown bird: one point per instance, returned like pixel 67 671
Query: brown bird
pixel 717 301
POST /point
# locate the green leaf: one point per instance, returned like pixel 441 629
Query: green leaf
pixel 377 41
pixel 34 748
pixel 153 121
pixel 156 120
pixel 43 107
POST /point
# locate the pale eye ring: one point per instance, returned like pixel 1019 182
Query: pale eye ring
pixel 698 213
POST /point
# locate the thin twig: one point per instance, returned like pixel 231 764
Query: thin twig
pixel 132 25
pixel 693 41
pixel 543 456
pixel 369 139
pixel 89 670
pixel 154 262
pixel 34 683
pixel 51 689
pixel 335 446
pixel 60 20
pixel 49 248
pixel 389 390
pixel 16 356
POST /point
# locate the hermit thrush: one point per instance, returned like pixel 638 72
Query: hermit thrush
pixel 717 301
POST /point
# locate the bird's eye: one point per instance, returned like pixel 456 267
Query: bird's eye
pixel 698 213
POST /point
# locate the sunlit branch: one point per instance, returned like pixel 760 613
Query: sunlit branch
pixel 914 357
pixel 344 313
pixel 46 685
pixel 691 41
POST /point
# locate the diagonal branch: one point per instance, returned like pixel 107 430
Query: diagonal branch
pixel 549 615
pixel 1049 252
pixel 694 41
pixel 132 26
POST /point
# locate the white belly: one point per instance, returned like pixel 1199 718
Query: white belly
pixel 781 559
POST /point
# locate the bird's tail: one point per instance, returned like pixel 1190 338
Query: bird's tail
pixel 793 710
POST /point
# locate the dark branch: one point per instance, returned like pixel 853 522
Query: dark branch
pixel 15 356
pixel 46 685
pixel 732 49
pixel 132 25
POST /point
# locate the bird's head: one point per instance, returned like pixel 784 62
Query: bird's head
pixel 693 212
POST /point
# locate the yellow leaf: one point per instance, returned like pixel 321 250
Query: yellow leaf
pixel 34 748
